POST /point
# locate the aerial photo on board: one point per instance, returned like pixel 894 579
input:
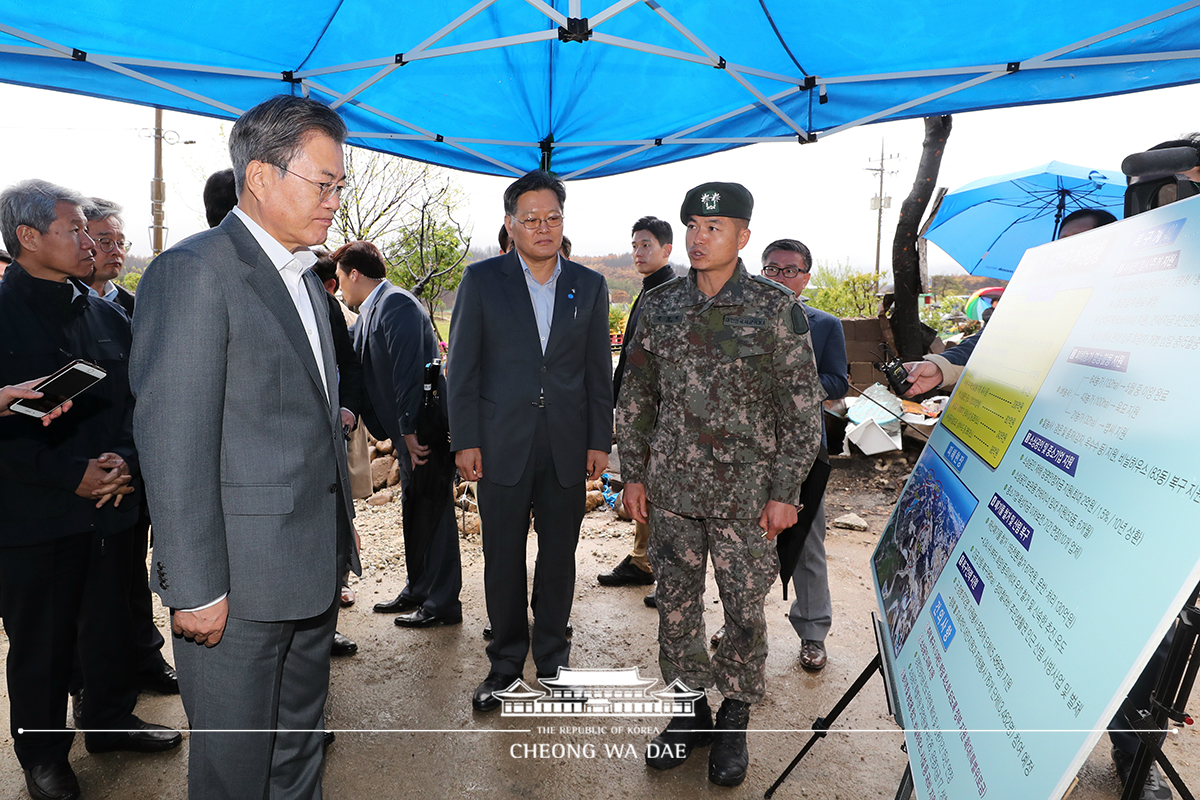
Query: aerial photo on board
pixel 916 544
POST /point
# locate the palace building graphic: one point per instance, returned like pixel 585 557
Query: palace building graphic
pixel 597 693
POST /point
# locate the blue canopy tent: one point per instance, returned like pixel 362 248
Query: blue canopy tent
pixel 598 88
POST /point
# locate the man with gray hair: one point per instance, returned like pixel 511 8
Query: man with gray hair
pixel 65 534
pixel 107 230
pixel 252 509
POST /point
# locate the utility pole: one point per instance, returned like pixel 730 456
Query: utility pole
pixel 879 203
pixel 158 190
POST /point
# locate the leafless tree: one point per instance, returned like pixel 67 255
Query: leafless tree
pixel 410 211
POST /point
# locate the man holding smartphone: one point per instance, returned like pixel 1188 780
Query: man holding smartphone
pixel 65 533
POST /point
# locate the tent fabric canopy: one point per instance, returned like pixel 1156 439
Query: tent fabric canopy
pixel 598 88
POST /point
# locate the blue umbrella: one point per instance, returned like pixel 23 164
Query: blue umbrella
pixel 986 226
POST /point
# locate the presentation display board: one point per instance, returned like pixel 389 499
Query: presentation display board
pixel 1047 536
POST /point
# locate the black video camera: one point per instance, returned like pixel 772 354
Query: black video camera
pixel 1156 177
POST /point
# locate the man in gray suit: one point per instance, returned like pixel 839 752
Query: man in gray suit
pixel 238 424
pixel 530 393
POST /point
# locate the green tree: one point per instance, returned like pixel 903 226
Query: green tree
pixel 130 280
pixel 616 319
pixel 842 290
pixel 409 211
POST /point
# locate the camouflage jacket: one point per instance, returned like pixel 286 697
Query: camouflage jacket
pixel 720 409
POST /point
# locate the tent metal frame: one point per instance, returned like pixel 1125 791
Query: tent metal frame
pixel 704 55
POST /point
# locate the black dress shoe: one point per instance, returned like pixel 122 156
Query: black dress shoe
pixel 681 736
pixel 54 781
pixel 328 738
pixel 651 600
pixel 487 630
pixel 142 737
pixel 626 574
pixel 423 619
pixel 342 645
pixel 398 605
pixel 485 698
pixel 160 678
pixel 728 759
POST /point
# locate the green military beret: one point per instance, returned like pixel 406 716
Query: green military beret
pixel 717 200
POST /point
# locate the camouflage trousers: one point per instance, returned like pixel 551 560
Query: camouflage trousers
pixel 745 566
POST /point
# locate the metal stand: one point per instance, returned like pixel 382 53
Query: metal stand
pixel 1167 702
pixel 821 724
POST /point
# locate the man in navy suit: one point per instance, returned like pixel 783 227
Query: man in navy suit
pixel 530 395
pixel 789 262
pixel 395 339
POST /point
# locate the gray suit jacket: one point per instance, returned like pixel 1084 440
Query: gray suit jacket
pixel 241 443
pixel 496 369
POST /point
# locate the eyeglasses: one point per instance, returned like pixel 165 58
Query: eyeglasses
pixel 327 189
pixel 788 272
pixel 533 223
pixel 107 245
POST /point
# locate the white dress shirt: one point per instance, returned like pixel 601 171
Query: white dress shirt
pixel 292 267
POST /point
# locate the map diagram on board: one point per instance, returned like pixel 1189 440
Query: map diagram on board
pixel 916 544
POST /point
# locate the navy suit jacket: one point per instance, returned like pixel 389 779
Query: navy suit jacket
pixel 829 347
pixel 496 369
pixel 395 339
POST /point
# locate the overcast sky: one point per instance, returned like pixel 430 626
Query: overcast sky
pixel 819 193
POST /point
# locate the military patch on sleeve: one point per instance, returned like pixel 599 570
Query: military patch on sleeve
pixel 666 319
pixel 746 322
pixel 799 319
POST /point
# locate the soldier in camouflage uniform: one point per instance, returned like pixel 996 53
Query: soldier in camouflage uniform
pixel 719 423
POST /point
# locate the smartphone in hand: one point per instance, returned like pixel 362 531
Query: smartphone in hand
pixel 60 387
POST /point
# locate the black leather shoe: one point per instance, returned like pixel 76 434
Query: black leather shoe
pixel 328 738
pixel 342 645
pixel 55 781
pixel 626 574
pixel 485 698
pixel 487 630
pixel 397 606
pixel 142 737
pixel 423 619
pixel 651 600
pixel 728 759
pixel 682 735
pixel 160 678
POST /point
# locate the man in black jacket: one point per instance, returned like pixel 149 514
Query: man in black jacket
pixel 65 533
pixel 107 230
pixel 652 242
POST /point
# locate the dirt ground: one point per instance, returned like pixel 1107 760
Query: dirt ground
pixel 406 729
